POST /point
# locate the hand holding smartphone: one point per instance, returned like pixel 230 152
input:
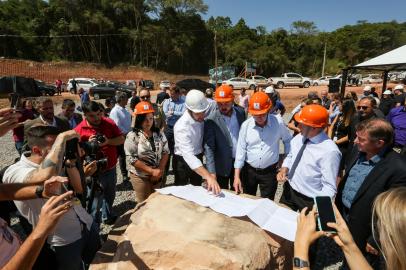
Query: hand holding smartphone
pixel 325 212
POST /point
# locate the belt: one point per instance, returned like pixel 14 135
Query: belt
pixel 268 169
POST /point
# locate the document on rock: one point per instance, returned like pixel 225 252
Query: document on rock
pixel 263 212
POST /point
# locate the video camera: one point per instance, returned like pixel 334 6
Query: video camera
pixel 92 151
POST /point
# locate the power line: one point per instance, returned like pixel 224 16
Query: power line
pixel 99 35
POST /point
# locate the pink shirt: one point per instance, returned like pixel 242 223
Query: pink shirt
pixel 243 101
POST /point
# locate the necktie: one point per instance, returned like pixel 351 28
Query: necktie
pixel 297 159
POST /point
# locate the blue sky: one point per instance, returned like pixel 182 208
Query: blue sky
pixel 328 15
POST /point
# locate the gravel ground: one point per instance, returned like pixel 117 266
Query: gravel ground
pixel 328 254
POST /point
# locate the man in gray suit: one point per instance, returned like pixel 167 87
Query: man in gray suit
pixel 221 129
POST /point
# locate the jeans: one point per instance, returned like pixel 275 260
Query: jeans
pixel 105 199
pixel 80 252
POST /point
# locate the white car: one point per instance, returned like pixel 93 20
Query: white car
pixel 322 81
pixel 84 83
pixel 165 84
pixel 240 83
pixel 372 78
pixel 260 80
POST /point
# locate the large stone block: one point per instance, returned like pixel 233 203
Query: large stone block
pixel 165 232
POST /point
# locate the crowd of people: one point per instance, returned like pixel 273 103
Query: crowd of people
pixel 348 148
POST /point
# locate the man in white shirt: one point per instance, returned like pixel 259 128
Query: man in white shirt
pixel 122 118
pixel 188 133
pixel 257 154
pixel 310 169
pixel 75 238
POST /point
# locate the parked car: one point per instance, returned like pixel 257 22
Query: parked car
pixel 45 89
pixel 149 84
pixel 109 89
pixel 290 79
pixel 165 84
pixel 322 80
pixel 372 78
pixel 260 80
pixel 197 84
pixel 84 83
pixel 240 83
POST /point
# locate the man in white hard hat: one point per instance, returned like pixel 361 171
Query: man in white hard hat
pixel 366 91
pixel 188 133
pixel 399 95
pixel 278 108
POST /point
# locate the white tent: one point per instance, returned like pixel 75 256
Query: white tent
pixel 392 60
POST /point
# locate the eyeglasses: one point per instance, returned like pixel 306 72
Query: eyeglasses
pixel 362 107
pixel 145 97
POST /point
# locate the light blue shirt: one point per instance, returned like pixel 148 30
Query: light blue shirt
pixel 122 118
pixel 173 110
pixel 316 172
pixel 357 176
pixel 259 146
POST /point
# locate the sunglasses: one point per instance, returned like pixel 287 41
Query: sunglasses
pixel 145 97
pixel 362 107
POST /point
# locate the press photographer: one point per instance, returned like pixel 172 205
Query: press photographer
pixel 75 238
pixel 104 132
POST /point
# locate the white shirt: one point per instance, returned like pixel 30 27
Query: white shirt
pixel 317 170
pixel 68 229
pixel 46 123
pixel 233 128
pixel 121 117
pixel 189 139
pixel 259 146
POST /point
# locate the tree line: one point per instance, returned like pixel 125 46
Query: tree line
pixel 171 35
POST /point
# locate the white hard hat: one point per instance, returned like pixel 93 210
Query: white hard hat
pixel 196 101
pixel 387 92
pixel 399 87
pixel 367 88
pixel 269 90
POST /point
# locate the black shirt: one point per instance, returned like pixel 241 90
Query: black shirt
pixel 386 105
pixel 161 97
pixel 134 101
pixel 400 99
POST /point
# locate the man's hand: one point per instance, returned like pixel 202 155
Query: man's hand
pixel 8 120
pixel 51 212
pixel 282 175
pixel 237 185
pixel 371 250
pixel 53 186
pixel 69 135
pixel 90 168
pixel 212 185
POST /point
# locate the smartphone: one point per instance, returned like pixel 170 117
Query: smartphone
pixel 325 212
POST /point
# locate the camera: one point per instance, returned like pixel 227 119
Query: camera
pixel 92 151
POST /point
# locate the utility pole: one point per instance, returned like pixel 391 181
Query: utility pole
pixel 215 56
pixel 324 59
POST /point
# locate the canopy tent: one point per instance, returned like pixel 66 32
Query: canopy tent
pixel 392 60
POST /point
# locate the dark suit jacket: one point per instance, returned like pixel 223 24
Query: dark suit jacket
pixel 390 172
pixel 77 116
pixel 61 124
pixel 218 145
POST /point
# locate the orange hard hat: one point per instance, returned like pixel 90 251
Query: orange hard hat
pixel 259 104
pixel 143 107
pixel 313 115
pixel 224 93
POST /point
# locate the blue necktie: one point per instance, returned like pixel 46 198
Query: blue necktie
pixel 297 159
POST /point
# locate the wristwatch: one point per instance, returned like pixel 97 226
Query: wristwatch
pixel 39 190
pixel 299 263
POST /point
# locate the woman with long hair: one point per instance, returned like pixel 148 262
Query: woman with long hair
pixel 388 227
pixel 147 148
pixel 340 127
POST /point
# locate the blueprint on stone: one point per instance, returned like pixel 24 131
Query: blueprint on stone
pixel 263 212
